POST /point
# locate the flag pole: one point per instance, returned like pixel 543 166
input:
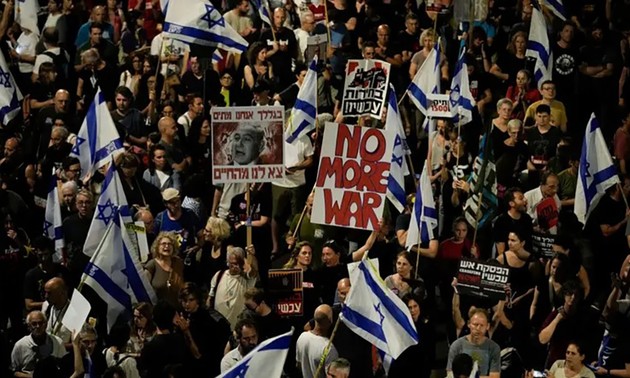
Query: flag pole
pixel 248 196
pixel 322 360
pixel 299 223
pixel 477 216
pixel 273 33
pixel 623 195
pixel 327 25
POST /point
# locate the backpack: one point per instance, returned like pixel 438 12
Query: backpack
pixel 61 63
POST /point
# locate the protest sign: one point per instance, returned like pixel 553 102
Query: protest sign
pixel 76 313
pixel 439 106
pixel 247 144
pixel 285 291
pixel 547 215
pixel 365 89
pixel 541 244
pixel 482 279
pixel 352 178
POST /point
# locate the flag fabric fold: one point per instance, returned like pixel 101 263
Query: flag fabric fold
pixel 398 169
pixel 53 222
pixel 557 7
pixel 375 313
pixel 10 95
pixel 263 11
pixel 114 273
pixel 97 139
pixel 483 201
pixel 426 80
pixel 462 101
pixel 111 203
pixel 596 172
pixel 200 22
pixel 25 12
pixel 304 111
pixel 266 360
pixel 539 48
pixel 424 217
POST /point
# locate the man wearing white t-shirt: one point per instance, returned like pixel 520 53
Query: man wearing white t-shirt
pixel 311 344
pixel 289 194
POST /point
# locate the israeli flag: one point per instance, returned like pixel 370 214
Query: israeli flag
pixel 97 139
pixel 462 101
pixel 200 22
pixel 115 274
pixel 426 80
pixel 52 220
pixel 557 8
pixel 375 313
pixel 398 169
pixel 596 172
pixel 424 217
pixel 539 48
pixel 266 360
pixel 10 95
pixel 217 57
pixel 263 11
pixel 304 111
pixel 164 6
pixel 26 14
pixel 111 204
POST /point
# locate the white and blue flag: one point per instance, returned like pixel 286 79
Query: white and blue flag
pixel 426 80
pixel 596 172
pixel 304 111
pixel 10 95
pixel 26 14
pixel 115 273
pixel 266 360
pixel 52 220
pixel 200 22
pixel 97 139
pixel 217 57
pixel 263 11
pixel 111 204
pixel 398 169
pixel 374 312
pixel 539 48
pixel 557 7
pixel 462 101
pixel 424 217
pixel 164 6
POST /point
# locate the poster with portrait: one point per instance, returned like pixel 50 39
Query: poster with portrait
pixel 352 178
pixel 365 89
pixel 247 144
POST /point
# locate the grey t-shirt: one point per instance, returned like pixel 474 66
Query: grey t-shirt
pixel 487 355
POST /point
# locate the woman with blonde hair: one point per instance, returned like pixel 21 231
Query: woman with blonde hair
pixel 213 243
pixel 499 126
pixel 166 269
pixel 428 38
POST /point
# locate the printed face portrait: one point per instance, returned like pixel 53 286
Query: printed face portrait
pixel 247 144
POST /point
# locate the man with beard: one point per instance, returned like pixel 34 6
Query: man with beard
pixel 247 337
pixel 129 121
pixel 75 230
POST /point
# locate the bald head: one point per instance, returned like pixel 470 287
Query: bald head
pixel 62 101
pixel 10 147
pixel 56 292
pixel 167 127
pixel 323 316
pixel 343 287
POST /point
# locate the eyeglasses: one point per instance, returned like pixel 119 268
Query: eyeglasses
pixel 166 243
pixel 226 78
pixel 36 323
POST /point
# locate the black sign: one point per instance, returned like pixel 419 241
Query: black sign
pixel 541 244
pixel 482 279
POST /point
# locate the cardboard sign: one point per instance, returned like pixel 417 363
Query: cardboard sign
pixel 541 244
pixel 439 105
pixel 352 178
pixel 482 279
pixel 365 89
pixel 247 144
pixel 285 291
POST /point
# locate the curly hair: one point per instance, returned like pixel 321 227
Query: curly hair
pixel 219 228
pixel 172 236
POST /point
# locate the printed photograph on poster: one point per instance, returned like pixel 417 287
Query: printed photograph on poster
pixel 247 144
pixel 482 279
pixel 352 179
pixel 365 89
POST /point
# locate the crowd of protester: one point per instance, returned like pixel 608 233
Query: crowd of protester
pixel 567 314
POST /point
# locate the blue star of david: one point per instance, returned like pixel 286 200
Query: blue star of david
pixel 212 21
pixel 241 372
pixel 454 97
pixel 77 144
pixel 5 78
pixel 47 225
pixel 377 308
pixel 105 215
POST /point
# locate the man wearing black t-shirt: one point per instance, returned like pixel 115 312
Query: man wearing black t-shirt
pixel 281 48
pixel 515 219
